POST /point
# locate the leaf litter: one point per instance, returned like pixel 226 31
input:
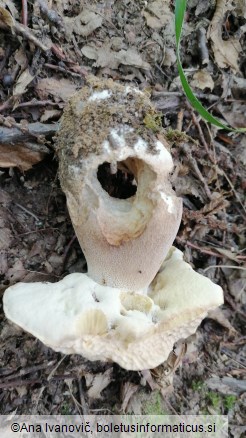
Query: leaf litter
pixel 41 67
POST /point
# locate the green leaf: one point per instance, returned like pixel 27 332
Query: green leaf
pixel 180 8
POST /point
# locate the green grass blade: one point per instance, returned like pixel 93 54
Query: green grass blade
pixel 180 8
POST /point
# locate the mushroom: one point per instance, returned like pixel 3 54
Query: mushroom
pixel 114 170
pixel 131 307
pixel 77 315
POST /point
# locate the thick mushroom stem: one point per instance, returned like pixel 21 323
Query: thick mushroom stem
pixel 115 172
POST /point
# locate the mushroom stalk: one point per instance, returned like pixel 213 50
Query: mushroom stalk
pixel 114 168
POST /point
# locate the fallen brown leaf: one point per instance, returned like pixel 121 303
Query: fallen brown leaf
pixel 98 383
pixel 19 156
pixel 22 83
pixel 127 392
pixel 61 89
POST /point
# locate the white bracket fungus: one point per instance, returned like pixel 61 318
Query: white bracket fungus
pixel 130 307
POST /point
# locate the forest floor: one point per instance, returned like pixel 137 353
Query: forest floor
pixel 42 64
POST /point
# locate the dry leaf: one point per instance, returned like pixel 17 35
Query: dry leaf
pixel 5 198
pixel 61 89
pixel 10 4
pixel 21 58
pixel 226 385
pixel 98 383
pixel 240 8
pixel 3 262
pixel 5 238
pixel 202 79
pixel 188 185
pixel 23 81
pixel 19 156
pixel 6 18
pixel 50 115
pixel 218 316
pixel 16 273
pixel 240 150
pixel 158 14
pixel 84 24
pixel 226 52
pixel 235 115
pixel 227 253
pixel 106 57
pixel 127 392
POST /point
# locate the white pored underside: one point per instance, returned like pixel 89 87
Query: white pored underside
pixel 77 315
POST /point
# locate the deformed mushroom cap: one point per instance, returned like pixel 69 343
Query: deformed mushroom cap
pixel 77 315
pixel 108 143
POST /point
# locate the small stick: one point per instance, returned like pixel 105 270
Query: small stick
pixel 203 45
pixel 82 398
pixel 27 33
pixel 180 120
pixel 224 266
pixel 24 12
pixel 27 211
pixel 62 69
pixel 37 103
pixel 196 122
pixel 196 169
pixel 235 193
pixel 209 97
pixel 28 370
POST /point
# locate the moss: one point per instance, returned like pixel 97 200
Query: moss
pixel 173 135
pixel 154 405
pixel 65 409
pixel 221 403
pixel 229 401
pixel 214 399
pixel 197 385
pixel 152 120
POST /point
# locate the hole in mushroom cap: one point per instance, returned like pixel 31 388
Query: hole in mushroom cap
pixel 117 179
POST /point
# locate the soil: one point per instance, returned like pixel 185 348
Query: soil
pixel 130 43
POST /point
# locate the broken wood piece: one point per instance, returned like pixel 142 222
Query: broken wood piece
pixel 21 147
pixel 19 134
pixel 18 155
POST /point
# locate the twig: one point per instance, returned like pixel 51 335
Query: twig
pixel 196 169
pixel 209 97
pixel 180 119
pixel 6 55
pixel 224 266
pixel 6 105
pixel 62 69
pixel 204 250
pixel 77 404
pixel 24 12
pixel 202 42
pixel 16 133
pixel 24 382
pixel 234 191
pixel 19 382
pixel 27 33
pixel 48 379
pixel 82 398
pixel 28 370
pixel 38 103
pixel 196 122
pixel 27 211
pixel 67 249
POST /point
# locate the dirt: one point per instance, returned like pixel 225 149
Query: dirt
pixel 130 43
